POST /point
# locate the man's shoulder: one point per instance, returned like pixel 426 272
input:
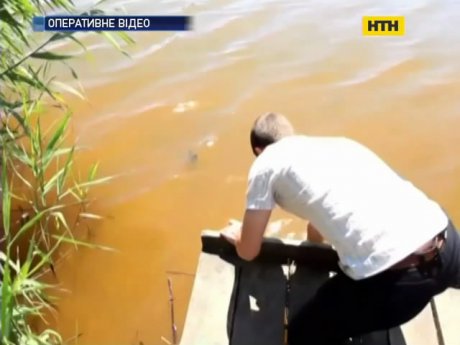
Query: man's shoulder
pixel 300 142
pixel 262 165
pixel 288 150
pixel 276 156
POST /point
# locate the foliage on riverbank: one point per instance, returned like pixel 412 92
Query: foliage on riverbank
pixel 44 197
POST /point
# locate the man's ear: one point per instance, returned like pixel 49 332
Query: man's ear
pixel 258 150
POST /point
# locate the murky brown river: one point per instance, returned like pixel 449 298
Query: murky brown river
pixel 171 123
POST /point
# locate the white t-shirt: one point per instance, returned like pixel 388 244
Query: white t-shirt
pixel 372 216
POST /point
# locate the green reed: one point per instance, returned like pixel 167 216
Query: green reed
pixel 44 198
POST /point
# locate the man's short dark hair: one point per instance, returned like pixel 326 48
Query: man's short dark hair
pixel 268 129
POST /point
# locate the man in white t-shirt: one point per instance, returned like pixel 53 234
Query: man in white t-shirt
pixel 397 248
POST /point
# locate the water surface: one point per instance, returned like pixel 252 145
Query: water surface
pixel 195 95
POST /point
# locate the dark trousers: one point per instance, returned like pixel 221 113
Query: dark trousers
pixel 344 308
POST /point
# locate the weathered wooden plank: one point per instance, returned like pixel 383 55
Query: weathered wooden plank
pixel 276 250
pixel 259 308
pixel 447 308
pixel 421 330
pixel 206 320
pixel 259 296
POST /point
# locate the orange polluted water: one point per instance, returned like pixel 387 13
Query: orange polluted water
pixel 172 125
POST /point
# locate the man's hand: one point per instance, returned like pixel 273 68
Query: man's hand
pixel 247 236
pixel 232 232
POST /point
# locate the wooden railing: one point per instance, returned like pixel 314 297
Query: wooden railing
pixel 234 302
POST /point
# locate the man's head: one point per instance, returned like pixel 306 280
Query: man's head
pixel 267 129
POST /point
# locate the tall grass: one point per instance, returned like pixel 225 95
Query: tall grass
pixel 43 195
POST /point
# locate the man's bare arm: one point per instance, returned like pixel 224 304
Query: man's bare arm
pixel 313 235
pixel 252 233
pixel 248 236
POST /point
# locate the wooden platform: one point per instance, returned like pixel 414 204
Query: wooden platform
pixel 234 302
